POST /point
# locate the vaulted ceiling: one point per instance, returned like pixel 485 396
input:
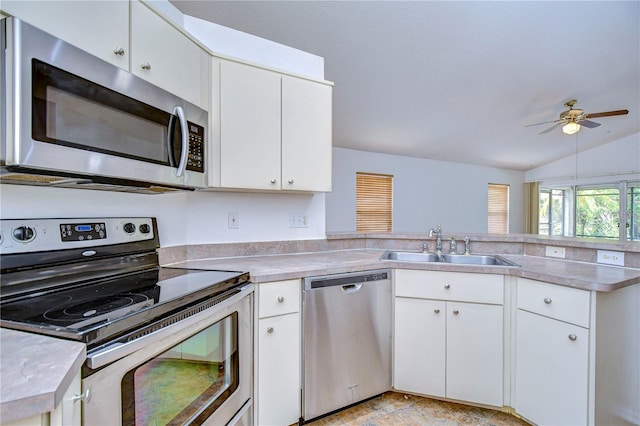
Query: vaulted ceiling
pixel 457 80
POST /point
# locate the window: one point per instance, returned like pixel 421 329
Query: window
pixel 498 210
pixel 552 212
pixel 633 211
pixel 374 201
pixel 598 212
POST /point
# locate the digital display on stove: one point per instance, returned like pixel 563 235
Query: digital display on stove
pixel 83 231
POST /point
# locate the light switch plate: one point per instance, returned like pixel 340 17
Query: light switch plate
pixel 234 220
pixel 611 257
pixel 298 220
pixel 551 251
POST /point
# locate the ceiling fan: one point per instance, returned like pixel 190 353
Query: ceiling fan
pixel 572 119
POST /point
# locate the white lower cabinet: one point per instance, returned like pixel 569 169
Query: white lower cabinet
pixel 552 354
pixel 278 353
pixel 551 370
pixel 447 348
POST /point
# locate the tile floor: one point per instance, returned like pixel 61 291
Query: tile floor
pixel 394 408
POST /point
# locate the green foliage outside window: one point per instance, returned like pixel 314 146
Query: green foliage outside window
pixel 597 213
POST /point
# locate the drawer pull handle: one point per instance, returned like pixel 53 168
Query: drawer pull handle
pixel 456 312
pixel 447 286
pixel 273 181
pixel 573 337
pixel 547 300
pixel 290 181
pixel 437 311
pixel 269 330
pixel 119 51
pixel 146 66
pixel 84 396
pixel 280 299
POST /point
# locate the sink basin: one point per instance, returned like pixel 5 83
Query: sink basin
pixel 476 259
pixel 411 256
pixel 459 259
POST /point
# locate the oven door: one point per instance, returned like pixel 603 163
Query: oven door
pixel 196 371
pixel 72 113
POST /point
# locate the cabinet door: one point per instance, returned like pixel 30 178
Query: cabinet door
pixel 279 370
pixel 98 27
pixel 551 370
pixel 306 135
pixel 474 353
pixel 249 127
pixel 170 59
pixel 419 346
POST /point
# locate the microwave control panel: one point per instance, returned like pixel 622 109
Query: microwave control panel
pixel 195 159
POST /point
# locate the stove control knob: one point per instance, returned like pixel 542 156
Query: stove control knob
pixel 129 228
pixel 24 234
pixel 145 228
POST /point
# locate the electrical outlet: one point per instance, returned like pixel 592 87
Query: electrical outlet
pixel 610 257
pixel 234 220
pixel 555 252
pixel 298 220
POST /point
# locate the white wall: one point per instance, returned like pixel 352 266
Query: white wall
pixel 612 162
pixel 183 218
pixel 425 192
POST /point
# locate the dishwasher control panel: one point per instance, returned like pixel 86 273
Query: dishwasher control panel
pixel 345 279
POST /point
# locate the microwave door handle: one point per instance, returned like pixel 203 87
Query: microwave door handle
pixel 184 131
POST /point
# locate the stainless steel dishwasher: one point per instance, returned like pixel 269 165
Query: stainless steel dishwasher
pixel 347 340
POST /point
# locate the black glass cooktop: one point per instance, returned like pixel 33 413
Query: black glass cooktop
pixel 130 300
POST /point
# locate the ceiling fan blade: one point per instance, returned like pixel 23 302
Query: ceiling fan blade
pixel 588 123
pixel 544 122
pixel 608 113
pixel 551 128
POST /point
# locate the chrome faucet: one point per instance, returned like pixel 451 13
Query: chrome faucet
pixel 438 232
pixel 453 246
pixel 466 246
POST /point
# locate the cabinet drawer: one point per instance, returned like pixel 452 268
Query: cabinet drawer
pixel 563 303
pixel 279 297
pixel 459 286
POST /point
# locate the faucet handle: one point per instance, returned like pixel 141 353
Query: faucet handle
pixel 453 246
pixel 466 245
pixel 425 247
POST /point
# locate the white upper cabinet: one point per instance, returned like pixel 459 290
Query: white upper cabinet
pixel 275 130
pixel 98 27
pixel 306 135
pixel 249 127
pixel 167 58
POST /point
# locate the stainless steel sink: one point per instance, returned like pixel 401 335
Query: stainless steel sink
pixel 411 256
pixel 459 259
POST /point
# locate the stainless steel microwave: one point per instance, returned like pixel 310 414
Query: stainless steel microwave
pixel 70 117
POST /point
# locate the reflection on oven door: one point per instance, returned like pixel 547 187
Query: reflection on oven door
pixel 199 374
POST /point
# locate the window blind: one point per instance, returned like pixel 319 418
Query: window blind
pixel 498 209
pixel 374 202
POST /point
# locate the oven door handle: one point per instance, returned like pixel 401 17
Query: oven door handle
pixel 119 350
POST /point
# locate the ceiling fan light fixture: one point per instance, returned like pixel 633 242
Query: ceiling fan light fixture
pixel 571 128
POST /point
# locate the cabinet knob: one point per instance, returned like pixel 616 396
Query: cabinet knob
pixel 547 300
pixel 437 311
pixel 146 66
pixel 447 286
pixel 290 181
pixel 84 396
pixel 119 51
pixel 273 181
pixel 456 312
pixel 280 299
pixel 573 337
pixel 269 330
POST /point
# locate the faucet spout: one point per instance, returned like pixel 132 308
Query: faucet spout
pixel 438 232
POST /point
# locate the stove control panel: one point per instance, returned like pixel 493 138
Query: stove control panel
pixel 31 235
pixel 83 231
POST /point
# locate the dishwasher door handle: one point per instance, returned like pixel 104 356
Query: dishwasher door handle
pixel 351 288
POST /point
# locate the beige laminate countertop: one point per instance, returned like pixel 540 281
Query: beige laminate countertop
pixel 586 276
pixel 35 372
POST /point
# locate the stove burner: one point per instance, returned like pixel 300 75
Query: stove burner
pixel 81 314
pixel 93 307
